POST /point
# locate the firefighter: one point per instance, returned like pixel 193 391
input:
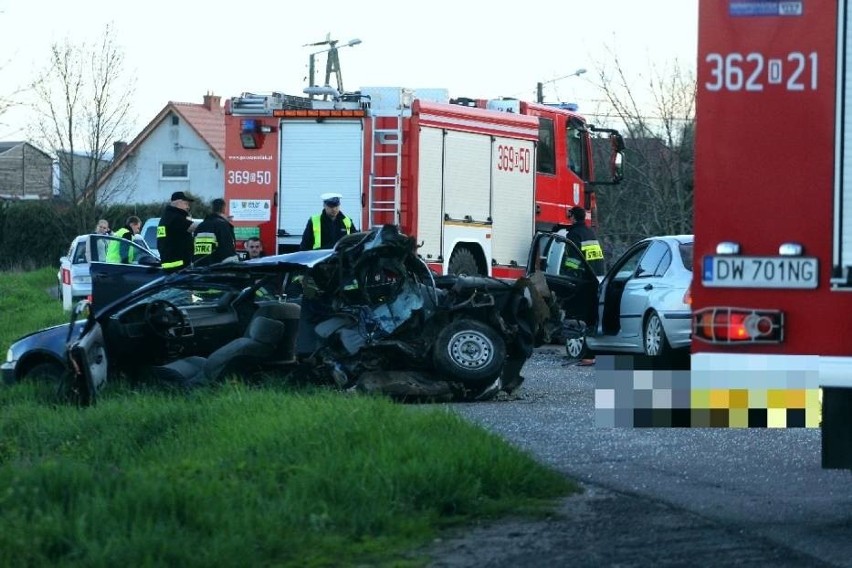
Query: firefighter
pixel 119 252
pixel 174 233
pixel 586 240
pixel 326 228
pixel 214 237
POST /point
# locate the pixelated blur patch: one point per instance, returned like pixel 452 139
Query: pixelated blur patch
pixel 631 393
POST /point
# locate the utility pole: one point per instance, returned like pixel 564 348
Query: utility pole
pixel 540 85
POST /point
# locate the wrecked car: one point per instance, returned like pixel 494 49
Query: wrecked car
pixel 368 315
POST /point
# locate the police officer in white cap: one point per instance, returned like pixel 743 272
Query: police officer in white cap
pixel 326 228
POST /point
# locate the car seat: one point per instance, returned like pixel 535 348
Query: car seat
pixel 269 340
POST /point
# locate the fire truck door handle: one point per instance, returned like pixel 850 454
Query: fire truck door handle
pixel 649 287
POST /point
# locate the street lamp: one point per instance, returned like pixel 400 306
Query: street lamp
pixel 540 86
pixel 332 63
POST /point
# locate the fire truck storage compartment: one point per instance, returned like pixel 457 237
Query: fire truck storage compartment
pixel 316 158
pixel 513 203
pixel 461 182
pixel 430 200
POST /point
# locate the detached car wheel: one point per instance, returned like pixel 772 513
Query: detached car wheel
pixel 469 351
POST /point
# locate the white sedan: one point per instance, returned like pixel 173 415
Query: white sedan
pixel 74 276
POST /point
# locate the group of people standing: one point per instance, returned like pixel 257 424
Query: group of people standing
pixel 183 242
pixel 118 251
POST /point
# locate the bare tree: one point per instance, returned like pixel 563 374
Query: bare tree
pixel 83 102
pixel 658 119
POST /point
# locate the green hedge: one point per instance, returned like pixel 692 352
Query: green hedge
pixel 34 234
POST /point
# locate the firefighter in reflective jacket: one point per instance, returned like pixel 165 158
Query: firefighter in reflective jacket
pixel 174 233
pixel 325 229
pixel 214 238
pixel 586 240
pixel 121 252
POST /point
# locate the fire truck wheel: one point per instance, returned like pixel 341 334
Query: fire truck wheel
pixel 463 263
pixel 656 344
pixel 469 351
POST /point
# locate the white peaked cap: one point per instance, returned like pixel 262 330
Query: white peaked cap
pixel 327 196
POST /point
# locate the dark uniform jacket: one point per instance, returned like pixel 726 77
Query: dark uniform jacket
pixel 174 241
pixel 588 243
pixel 214 240
pixel 330 231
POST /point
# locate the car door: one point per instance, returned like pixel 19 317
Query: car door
pixel 569 277
pixel 90 363
pixel 111 281
pixel 647 279
pixel 612 289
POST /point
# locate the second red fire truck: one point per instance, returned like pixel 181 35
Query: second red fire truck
pixel 772 199
pixel 472 179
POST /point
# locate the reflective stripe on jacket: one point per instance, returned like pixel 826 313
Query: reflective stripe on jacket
pixel 205 244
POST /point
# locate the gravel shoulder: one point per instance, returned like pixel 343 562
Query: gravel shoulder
pixel 610 525
pixel 601 527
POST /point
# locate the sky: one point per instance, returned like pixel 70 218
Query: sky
pixel 178 51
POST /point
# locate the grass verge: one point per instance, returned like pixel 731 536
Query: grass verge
pixel 247 476
pixel 25 305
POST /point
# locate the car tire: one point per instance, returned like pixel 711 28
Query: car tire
pixel 463 263
pixel 47 371
pixel 51 380
pixel 470 352
pixel 654 337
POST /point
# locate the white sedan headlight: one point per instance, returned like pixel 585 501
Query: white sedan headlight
pixel 10 356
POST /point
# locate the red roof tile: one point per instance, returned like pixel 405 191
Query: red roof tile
pixel 209 124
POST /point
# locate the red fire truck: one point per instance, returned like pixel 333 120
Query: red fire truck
pixel 472 179
pixel 773 205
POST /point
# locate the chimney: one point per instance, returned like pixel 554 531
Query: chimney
pixel 212 102
pixel 118 149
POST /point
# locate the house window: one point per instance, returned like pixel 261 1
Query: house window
pixel 174 170
pixel 175 120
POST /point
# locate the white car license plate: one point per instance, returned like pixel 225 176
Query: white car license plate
pixel 760 272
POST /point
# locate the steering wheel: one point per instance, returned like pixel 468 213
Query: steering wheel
pixel 165 319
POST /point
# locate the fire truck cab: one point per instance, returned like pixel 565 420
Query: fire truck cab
pixel 472 179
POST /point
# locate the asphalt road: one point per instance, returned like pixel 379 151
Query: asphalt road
pixel 658 496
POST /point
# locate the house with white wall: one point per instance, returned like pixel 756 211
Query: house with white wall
pixel 181 149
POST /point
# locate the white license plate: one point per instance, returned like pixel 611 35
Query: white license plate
pixel 760 271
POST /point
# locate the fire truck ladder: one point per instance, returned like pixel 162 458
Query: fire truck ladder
pixel 387 147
